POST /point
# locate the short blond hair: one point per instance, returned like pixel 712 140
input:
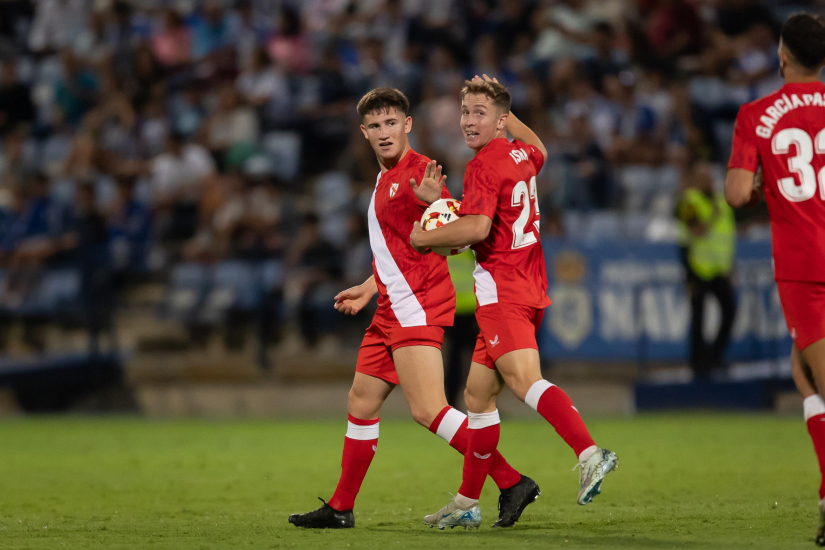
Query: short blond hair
pixel 498 93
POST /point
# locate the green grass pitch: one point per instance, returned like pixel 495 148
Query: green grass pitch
pixel 684 481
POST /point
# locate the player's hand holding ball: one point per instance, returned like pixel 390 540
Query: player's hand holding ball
pixel 417 230
pixel 439 214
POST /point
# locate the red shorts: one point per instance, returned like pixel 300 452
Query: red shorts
pixel 375 353
pixel 505 328
pixel 803 304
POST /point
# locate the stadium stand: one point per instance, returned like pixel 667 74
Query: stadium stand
pixel 220 145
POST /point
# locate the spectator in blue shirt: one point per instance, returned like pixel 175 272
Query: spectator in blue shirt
pixel 130 228
pixel 36 234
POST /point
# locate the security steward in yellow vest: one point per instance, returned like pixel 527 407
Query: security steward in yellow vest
pixel 708 245
pixel 462 335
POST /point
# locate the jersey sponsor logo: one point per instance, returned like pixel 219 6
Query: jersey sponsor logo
pixel 782 106
pixel 494 343
pixel 482 457
pixel 393 189
pixel 518 155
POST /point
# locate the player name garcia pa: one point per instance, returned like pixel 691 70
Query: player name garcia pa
pixel 783 105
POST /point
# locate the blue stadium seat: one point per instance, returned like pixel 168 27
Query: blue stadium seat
pixel 285 150
pixel 234 285
pixel 273 275
pixel 57 293
pixel 187 289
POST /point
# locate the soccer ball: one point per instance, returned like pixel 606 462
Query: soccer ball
pixel 440 213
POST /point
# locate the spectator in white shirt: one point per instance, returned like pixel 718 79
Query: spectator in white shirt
pixel 177 179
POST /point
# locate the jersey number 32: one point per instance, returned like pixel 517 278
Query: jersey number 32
pixel 801 163
pixel 526 199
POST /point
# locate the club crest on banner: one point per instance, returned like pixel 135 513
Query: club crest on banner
pixel 571 316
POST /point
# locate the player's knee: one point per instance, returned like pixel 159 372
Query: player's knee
pixel 362 405
pixel 520 385
pixel 423 416
pixel 477 399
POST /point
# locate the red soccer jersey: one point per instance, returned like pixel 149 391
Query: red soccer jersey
pixel 785 133
pixel 413 289
pixel 500 183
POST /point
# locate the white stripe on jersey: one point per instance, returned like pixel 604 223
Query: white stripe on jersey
pixel 486 289
pixel 404 304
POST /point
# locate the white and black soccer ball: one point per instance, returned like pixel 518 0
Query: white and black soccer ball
pixel 440 213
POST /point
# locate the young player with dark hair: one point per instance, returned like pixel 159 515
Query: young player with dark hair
pixel 784 133
pixel 416 300
pixel 500 219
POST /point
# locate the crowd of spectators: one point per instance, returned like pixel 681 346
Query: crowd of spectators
pixel 208 130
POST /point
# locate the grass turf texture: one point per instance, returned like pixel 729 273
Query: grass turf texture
pixel 685 481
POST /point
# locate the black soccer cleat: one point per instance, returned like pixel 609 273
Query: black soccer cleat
pixel 513 501
pixel 325 517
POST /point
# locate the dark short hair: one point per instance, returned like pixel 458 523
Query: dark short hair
pixel 804 36
pixel 497 92
pixel 382 100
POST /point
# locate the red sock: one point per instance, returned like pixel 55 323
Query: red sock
pixel 482 440
pixel 360 445
pixel 451 425
pixel 556 408
pixel 815 419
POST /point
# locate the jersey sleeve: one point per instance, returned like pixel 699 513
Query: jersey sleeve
pixel 536 157
pixel 744 153
pixel 481 190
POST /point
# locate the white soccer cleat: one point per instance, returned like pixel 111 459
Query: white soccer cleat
pixel 820 532
pixel 452 515
pixel 593 470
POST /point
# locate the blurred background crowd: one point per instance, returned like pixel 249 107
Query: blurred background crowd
pixel 140 136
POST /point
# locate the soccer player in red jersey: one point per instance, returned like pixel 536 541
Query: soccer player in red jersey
pixel 500 219
pixel 416 300
pixel 784 133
